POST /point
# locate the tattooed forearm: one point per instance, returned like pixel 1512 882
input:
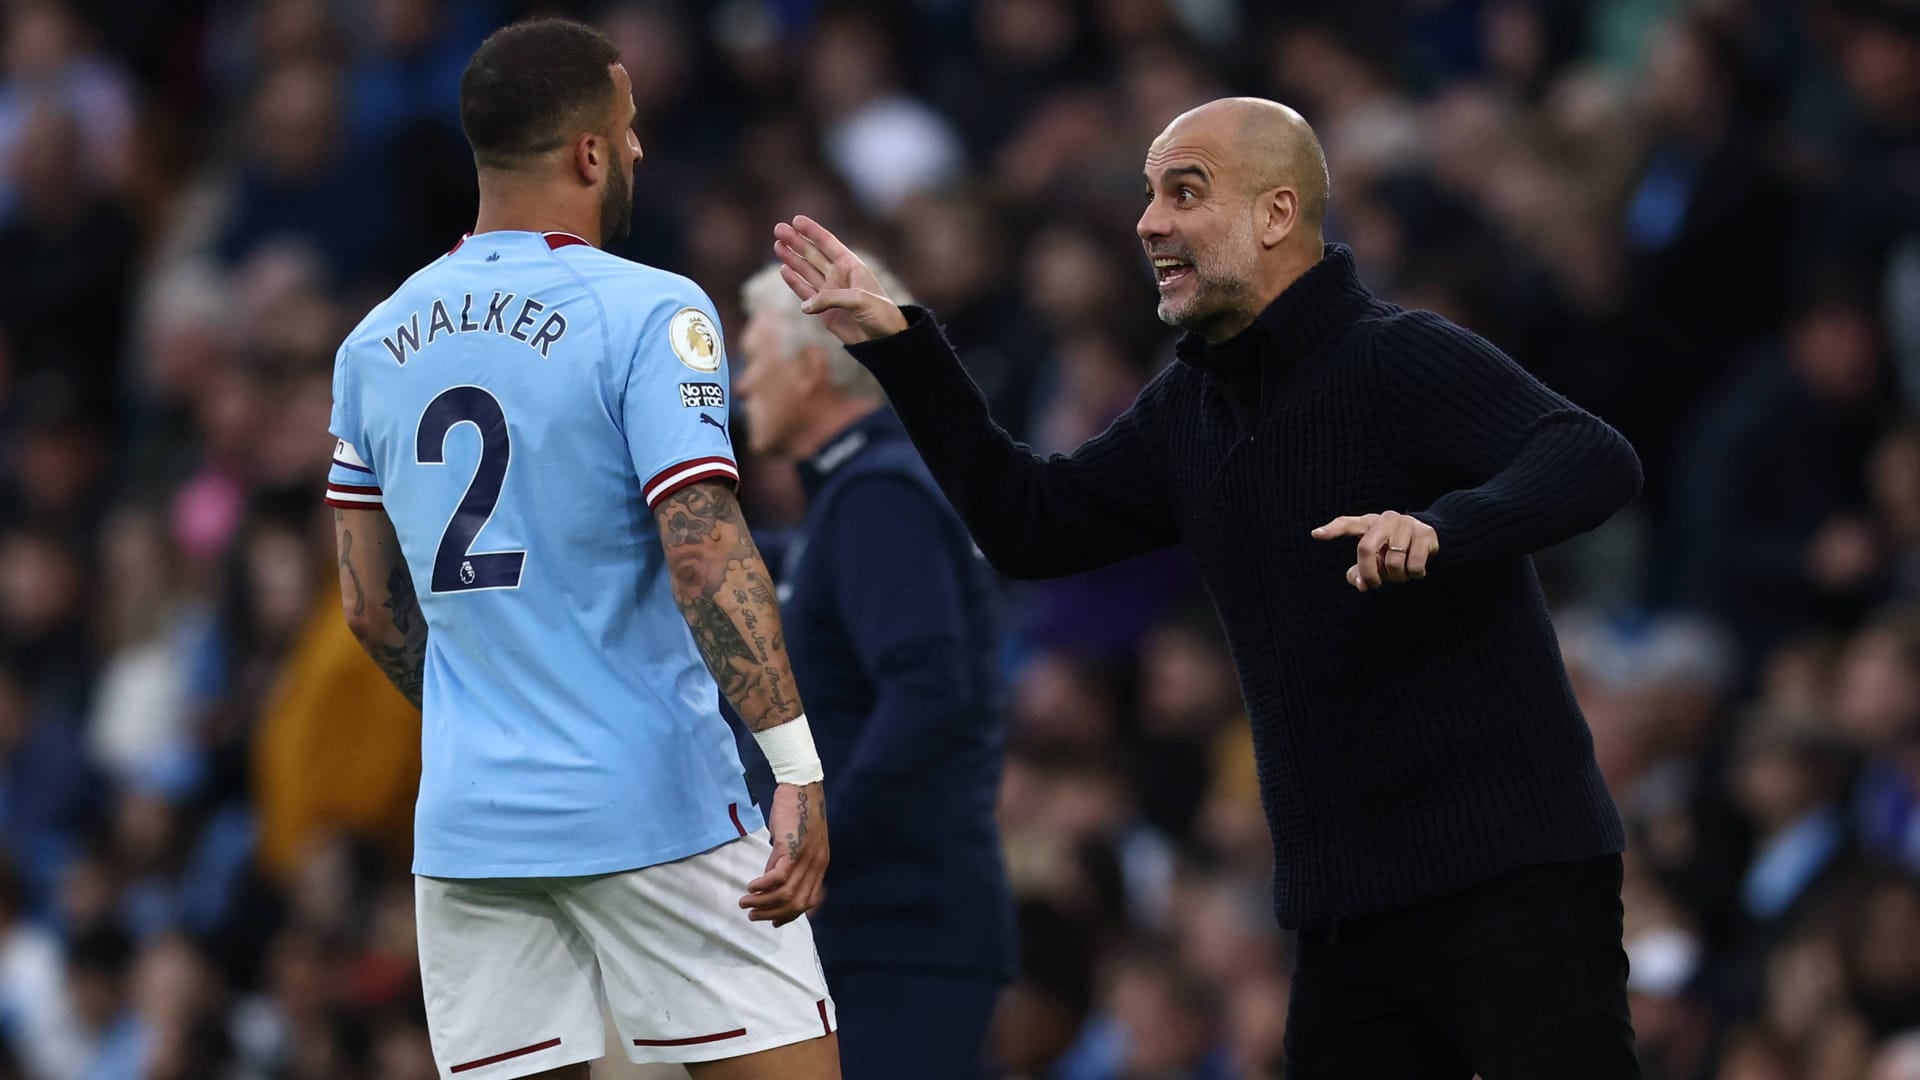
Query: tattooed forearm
pixel 391 628
pixel 404 667
pixel 762 589
pixel 720 646
pixel 404 603
pixel 405 664
pixel 722 587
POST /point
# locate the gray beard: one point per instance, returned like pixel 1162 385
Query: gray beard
pixel 1220 293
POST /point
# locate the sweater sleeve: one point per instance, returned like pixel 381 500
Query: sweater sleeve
pixel 902 601
pixel 1032 517
pixel 1532 468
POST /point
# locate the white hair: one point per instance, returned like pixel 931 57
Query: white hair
pixel 1899 1058
pixel 766 292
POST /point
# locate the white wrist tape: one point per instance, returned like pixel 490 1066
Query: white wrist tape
pixel 789 749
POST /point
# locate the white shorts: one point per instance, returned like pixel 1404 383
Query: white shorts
pixel 519 972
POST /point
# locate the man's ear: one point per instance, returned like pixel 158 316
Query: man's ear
pixel 814 371
pixel 1281 210
pixel 591 157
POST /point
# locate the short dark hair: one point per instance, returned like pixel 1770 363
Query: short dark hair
pixel 533 85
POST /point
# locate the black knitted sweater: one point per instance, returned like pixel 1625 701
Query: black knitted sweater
pixel 1412 740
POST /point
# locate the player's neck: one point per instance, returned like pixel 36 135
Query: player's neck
pixel 528 210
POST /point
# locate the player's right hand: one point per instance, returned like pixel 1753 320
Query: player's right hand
pixel 796 873
pixel 833 283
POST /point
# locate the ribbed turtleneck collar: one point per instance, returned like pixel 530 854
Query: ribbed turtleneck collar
pixel 1297 320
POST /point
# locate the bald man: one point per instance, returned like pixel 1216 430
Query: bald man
pixel 1361 487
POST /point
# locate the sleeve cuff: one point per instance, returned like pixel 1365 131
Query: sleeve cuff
pixel 352 496
pixel 921 334
pixel 922 375
pixel 675 477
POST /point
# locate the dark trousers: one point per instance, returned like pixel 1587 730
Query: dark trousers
pixel 921 1024
pixel 1519 978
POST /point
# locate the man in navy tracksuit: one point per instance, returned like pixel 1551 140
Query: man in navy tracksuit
pixel 888 610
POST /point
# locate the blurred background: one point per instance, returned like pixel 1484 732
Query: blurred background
pixel 1700 221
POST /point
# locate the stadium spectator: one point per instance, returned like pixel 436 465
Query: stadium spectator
pixel 1780 458
pixel 306 177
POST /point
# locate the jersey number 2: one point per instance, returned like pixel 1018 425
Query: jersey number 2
pixel 456 568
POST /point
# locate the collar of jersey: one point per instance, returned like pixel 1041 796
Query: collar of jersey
pixel 555 240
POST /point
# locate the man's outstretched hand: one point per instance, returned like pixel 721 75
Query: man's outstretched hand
pixel 833 283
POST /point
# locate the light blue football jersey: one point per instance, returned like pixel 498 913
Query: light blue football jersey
pixel 518 407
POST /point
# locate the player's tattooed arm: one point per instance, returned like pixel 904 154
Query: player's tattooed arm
pixel 405 663
pixel 355 602
pixel 387 621
pixel 726 595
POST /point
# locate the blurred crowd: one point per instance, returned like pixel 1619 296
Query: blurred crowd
pixel 1701 221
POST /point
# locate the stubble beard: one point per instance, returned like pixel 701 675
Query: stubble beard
pixel 616 210
pixel 1223 283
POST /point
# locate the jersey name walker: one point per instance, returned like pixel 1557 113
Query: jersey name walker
pixel 518 407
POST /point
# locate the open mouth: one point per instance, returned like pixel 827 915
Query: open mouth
pixel 1168 271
